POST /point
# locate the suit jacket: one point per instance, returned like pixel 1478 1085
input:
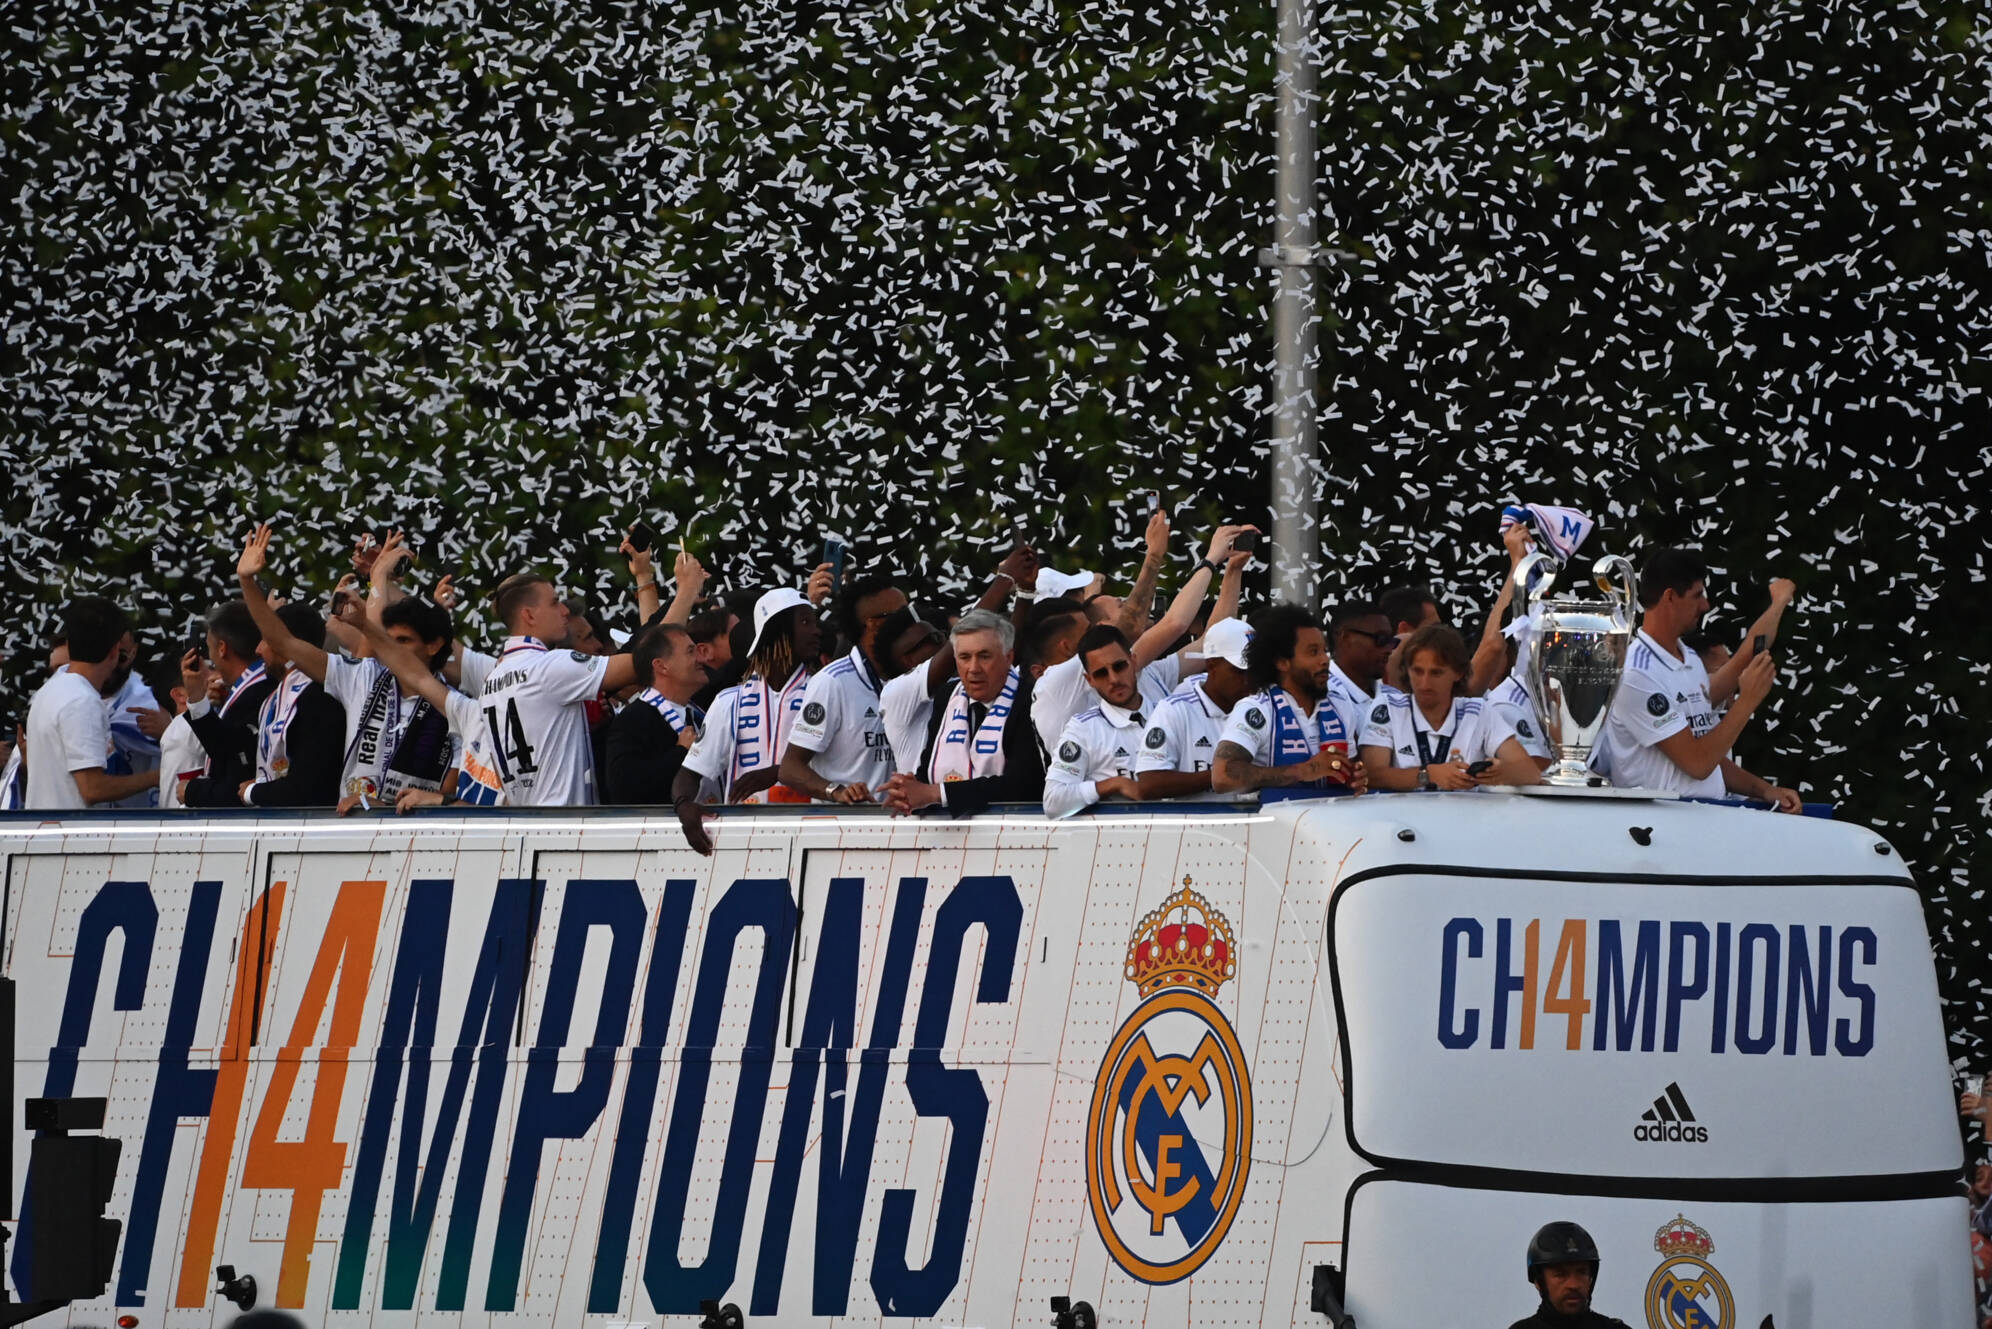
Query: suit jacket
pixel 229 738
pixel 315 744
pixel 643 756
pixel 1022 780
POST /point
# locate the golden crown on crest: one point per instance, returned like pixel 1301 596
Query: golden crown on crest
pixel 1185 943
pixel 1681 1237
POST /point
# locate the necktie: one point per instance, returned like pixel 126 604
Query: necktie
pixel 977 713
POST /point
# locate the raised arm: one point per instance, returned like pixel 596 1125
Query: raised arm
pixel 383 574
pixel 692 577
pixel 408 669
pixel 1722 684
pixel 1232 588
pixel 643 574
pixel 1174 625
pixel 1490 657
pixel 255 556
pixel 1133 618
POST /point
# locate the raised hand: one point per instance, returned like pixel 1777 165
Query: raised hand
pixel 818 592
pixel 640 565
pixel 1758 676
pixel 1221 541
pixel 393 552
pixel 364 553
pixel 1020 565
pixel 1157 535
pixel 255 552
pixel 1783 590
pixel 692 575
pixel 1518 541
pixel 445 594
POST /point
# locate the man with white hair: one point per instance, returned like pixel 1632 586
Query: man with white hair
pixel 981 746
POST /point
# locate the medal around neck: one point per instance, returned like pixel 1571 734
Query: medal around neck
pixel 1576 654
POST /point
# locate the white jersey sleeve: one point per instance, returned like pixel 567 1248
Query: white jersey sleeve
pixel 473 667
pixel 906 708
pixel 1069 783
pixel 1495 729
pixel 1060 693
pixel 1643 711
pixel 572 676
pixel 1376 728
pixel 1251 728
pixel 712 756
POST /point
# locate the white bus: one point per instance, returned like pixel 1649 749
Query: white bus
pixel 1203 1065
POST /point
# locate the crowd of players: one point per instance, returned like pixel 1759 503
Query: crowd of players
pixel 1049 689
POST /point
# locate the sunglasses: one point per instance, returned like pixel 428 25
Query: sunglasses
pixel 1384 639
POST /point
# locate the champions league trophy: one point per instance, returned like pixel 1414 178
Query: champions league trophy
pixel 1576 652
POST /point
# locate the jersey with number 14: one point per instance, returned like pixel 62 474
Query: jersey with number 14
pixel 535 714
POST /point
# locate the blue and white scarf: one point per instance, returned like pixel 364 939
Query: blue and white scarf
pixel 1290 745
pixel 761 724
pixel 273 726
pixel 959 755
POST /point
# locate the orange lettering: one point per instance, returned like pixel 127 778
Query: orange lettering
pixel 259 934
pixel 1569 962
pixel 311 1166
pixel 1531 938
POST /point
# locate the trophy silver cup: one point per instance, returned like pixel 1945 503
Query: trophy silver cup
pixel 1576 652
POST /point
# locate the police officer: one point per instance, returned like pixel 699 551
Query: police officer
pixel 1563 1265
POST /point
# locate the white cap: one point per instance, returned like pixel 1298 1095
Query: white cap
pixel 778 601
pixel 1051 583
pixel 1226 640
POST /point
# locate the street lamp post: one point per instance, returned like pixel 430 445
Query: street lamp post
pixel 1296 532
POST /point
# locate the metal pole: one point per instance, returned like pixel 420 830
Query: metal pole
pixel 1296 533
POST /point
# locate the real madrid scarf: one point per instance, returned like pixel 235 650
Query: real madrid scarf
pixel 761 724
pixel 959 755
pixel 273 727
pixel 1290 745
pixel 421 750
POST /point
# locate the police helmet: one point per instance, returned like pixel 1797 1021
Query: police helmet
pixel 1562 1243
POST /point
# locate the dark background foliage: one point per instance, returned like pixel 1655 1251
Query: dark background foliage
pixel 930 274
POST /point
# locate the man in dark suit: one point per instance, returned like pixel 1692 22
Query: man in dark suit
pixel 226 722
pixel 981 745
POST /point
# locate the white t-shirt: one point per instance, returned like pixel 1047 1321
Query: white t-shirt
pixel 1250 726
pixel 1062 691
pixel 1473 731
pixel 181 757
pixel 535 715
pixel 1183 734
pixel 1659 695
pixel 1350 702
pixel 1097 744
pixel 907 707
pixel 841 724
pixel 67 731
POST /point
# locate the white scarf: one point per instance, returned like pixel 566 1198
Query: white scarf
pixel 960 756
pixel 761 724
pixel 273 726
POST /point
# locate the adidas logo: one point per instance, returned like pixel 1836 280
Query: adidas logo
pixel 1670 1120
pixel 870 714
pixel 1203 742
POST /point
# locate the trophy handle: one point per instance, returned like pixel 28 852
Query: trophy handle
pixel 1525 570
pixel 1626 591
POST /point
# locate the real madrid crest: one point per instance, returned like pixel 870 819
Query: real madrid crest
pixel 1686 1292
pixel 1169 1136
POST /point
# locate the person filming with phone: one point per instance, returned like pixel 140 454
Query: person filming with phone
pixel 1435 736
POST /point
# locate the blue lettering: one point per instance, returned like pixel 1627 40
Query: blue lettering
pixel 121 906
pixel 1759 1041
pixel 675 1289
pixel 1451 1035
pixel 1852 1040
pixel 667 955
pixel 1506 980
pixel 1802 987
pixel 1718 1040
pixel 1614 1000
pixel 954 1094
pixel 178 1092
pixel 1679 990
pixel 545 1113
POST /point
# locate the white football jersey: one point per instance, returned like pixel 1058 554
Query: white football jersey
pixel 131 751
pixel 1062 691
pixel 747 730
pixel 1097 744
pixel 842 724
pixel 1659 695
pixel 907 707
pixel 1473 731
pixel 377 711
pixel 1184 732
pixel 1517 710
pixel 535 714
pixel 1250 726
pixel 1350 702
